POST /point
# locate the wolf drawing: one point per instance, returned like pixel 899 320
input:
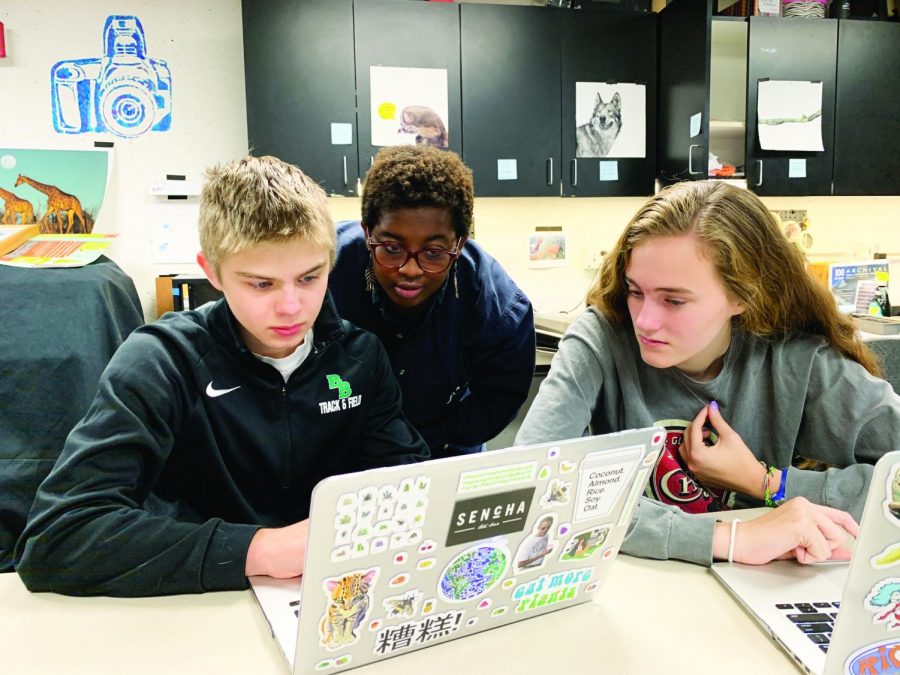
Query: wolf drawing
pixel 596 137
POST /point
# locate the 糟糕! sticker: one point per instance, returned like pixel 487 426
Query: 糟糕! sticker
pixel 534 549
pixel 496 477
pixel 402 636
pixel 406 605
pixel 883 601
pixel 349 597
pixel 603 475
pixel 473 572
pixel 489 515
pixel 550 589
pixel 584 544
pixel 557 493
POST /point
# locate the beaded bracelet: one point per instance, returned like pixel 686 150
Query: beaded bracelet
pixel 770 471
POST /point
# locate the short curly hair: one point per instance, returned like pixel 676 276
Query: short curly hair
pixel 414 176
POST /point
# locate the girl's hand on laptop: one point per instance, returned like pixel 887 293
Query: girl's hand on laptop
pixel 727 464
pixel 798 529
pixel 278 552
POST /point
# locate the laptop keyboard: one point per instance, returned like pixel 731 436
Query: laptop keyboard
pixel 815 619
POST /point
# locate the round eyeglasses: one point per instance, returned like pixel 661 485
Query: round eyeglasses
pixel 431 260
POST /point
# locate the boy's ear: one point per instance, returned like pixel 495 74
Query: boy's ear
pixel 365 230
pixel 209 271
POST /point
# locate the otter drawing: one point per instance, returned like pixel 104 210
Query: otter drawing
pixel 425 123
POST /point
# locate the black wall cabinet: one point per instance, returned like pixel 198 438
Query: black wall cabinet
pixel 867 124
pixel 300 79
pixel 511 99
pixel 406 34
pixel 614 46
pixel 791 49
pixel 685 30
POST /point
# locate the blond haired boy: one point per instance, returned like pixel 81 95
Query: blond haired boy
pixel 194 465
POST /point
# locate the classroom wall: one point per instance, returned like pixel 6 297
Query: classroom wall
pixel 202 42
pixel 843 228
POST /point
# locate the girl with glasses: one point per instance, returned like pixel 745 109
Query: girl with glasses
pixel 458 331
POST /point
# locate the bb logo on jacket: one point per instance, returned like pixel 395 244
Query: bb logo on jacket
pixel 672 483
pixel 345 397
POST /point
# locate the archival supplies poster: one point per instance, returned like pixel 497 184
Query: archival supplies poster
pixel 64 188
pixel 409 106
pixel 610 119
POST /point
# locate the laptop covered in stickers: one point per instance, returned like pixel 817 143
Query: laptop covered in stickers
pixel 406 557
pixel 835 617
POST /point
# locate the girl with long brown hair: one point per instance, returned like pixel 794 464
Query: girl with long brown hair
pixel 705 321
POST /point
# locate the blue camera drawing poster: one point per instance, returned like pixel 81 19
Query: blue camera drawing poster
pixel 65 188
pixel 123 91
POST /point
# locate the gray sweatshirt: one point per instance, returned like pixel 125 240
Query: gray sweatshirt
pixel 782 396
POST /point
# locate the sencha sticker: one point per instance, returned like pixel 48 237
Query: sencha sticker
pixel 489 515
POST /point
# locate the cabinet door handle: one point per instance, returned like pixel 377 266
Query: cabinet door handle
pixel 573 172
pixel 345 170
pixel 549 171
pixel 759 182
pixel 691 159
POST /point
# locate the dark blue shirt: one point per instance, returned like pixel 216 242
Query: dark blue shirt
pixel 465 364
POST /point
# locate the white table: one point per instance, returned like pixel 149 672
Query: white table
pixel 650 617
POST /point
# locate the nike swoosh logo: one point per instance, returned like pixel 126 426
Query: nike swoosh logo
pixel 213 393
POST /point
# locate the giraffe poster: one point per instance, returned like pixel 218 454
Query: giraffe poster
pixel 62 190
